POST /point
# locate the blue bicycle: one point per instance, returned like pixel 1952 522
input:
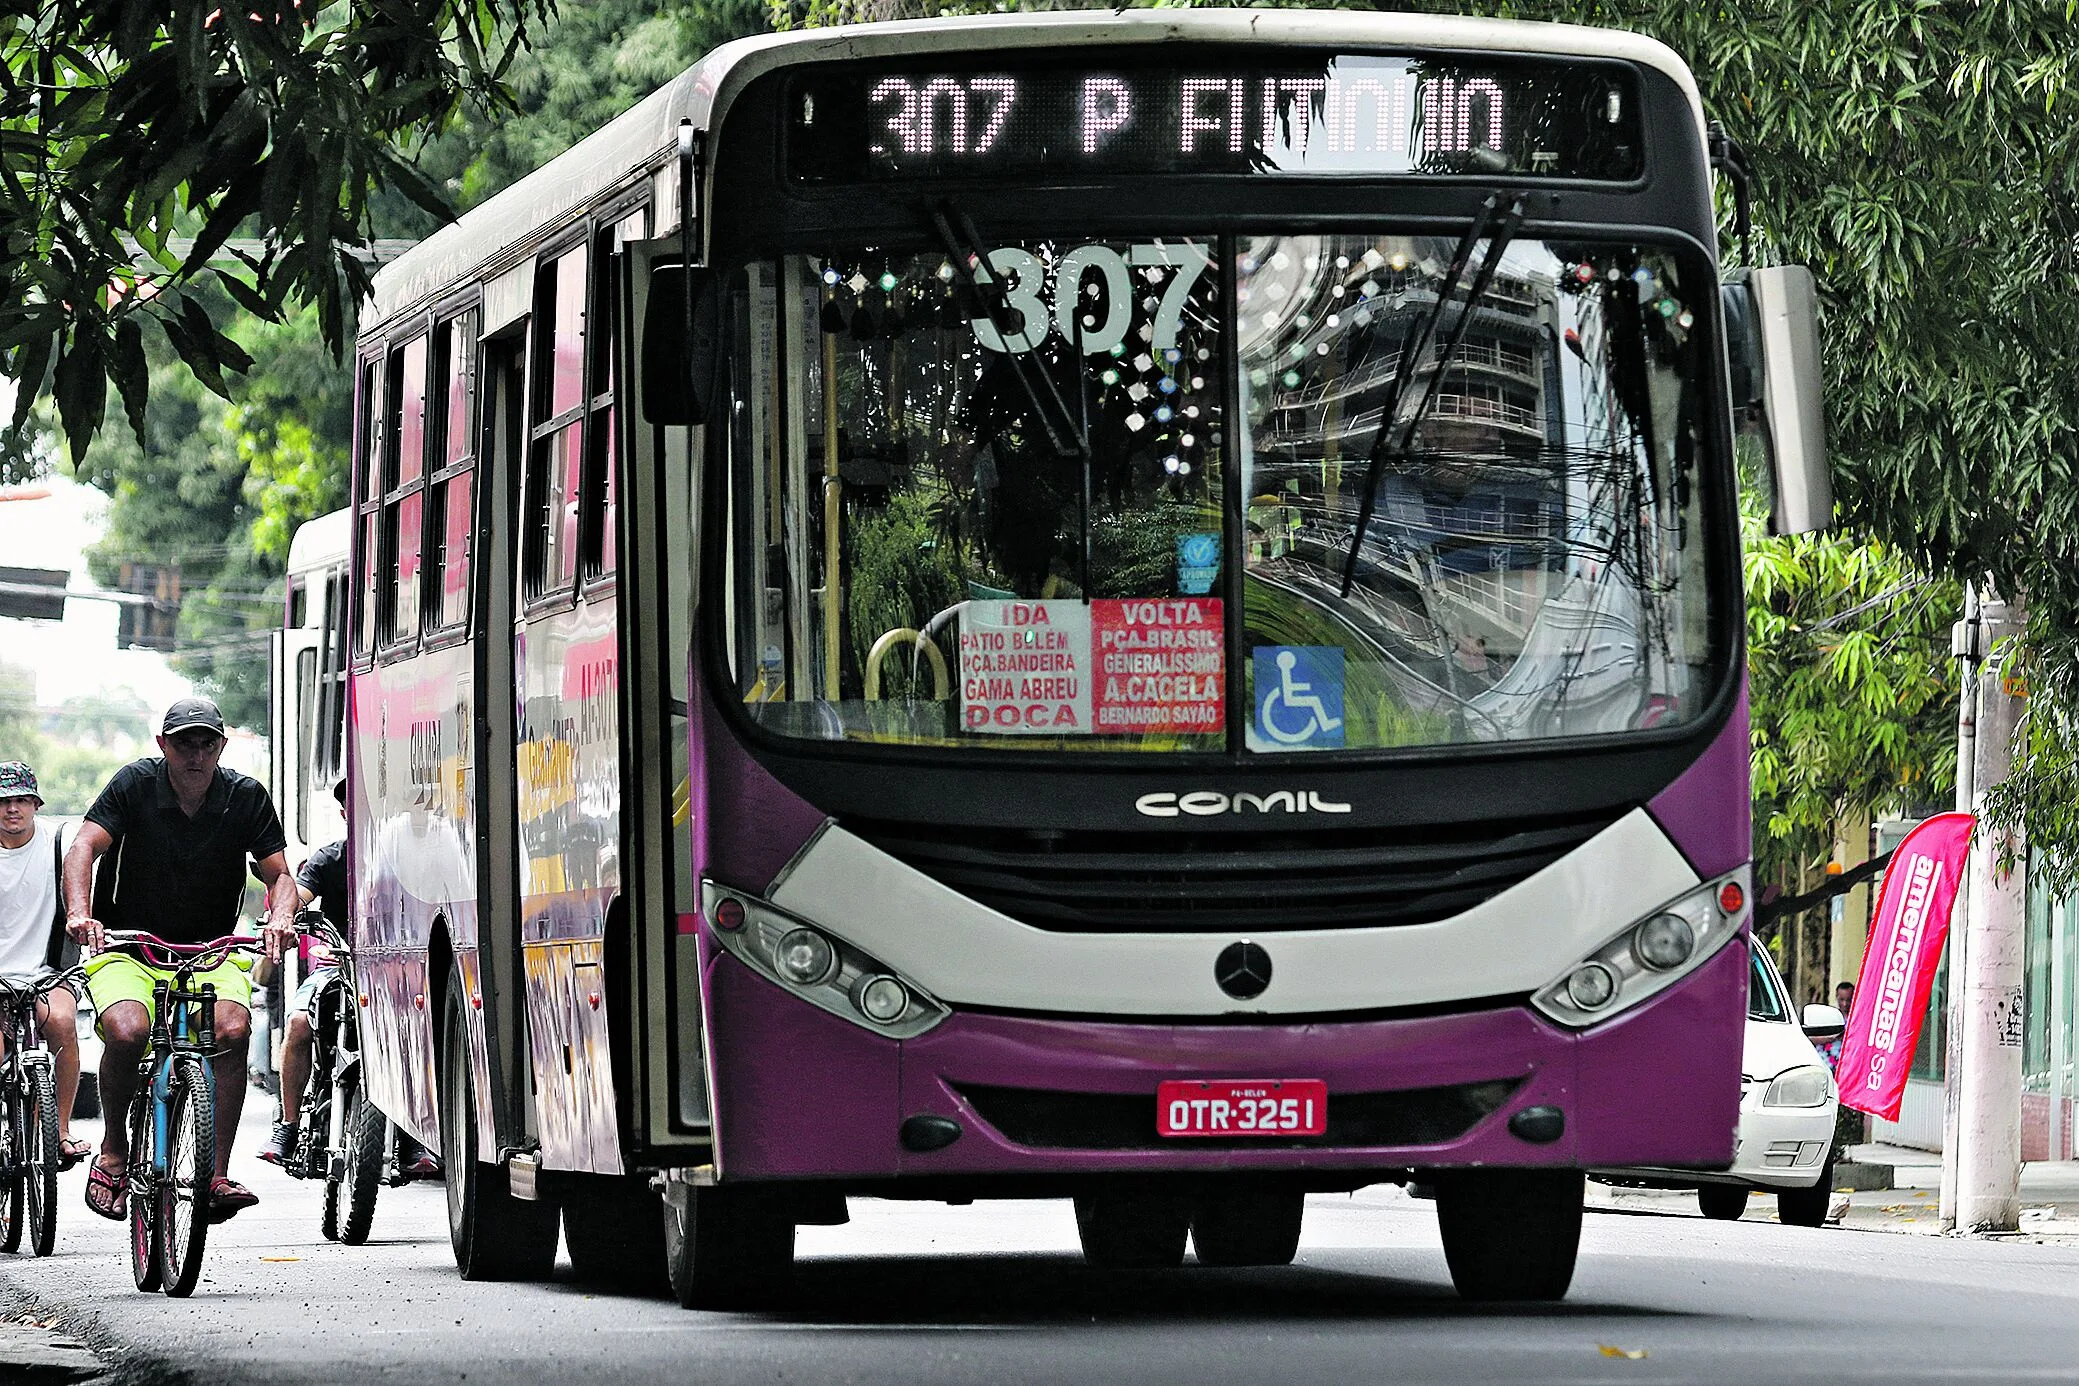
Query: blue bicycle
pixel 173 1130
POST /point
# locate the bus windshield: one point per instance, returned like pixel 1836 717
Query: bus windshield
pixel 997 499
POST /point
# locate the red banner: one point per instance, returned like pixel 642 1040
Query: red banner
pixel 1898 970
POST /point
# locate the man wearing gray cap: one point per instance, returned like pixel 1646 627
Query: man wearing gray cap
pixel 182 828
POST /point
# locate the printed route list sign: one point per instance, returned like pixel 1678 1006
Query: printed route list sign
pixel 1102 668
pixel 1161 666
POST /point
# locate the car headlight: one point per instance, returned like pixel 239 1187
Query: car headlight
pixel 807 959
pixel 1649 956
pixel 1806 1086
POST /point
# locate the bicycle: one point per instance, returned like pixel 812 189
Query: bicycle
pixel 29 1153
pixel 173 1115
pixel 342 1137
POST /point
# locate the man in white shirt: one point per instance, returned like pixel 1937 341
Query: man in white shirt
pixel 32 931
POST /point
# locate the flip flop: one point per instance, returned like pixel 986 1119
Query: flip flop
pixel 108 1184
pixel 227 1197
pixel 71 1151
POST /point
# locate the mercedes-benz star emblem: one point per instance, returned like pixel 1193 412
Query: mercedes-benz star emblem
pixel 1243 969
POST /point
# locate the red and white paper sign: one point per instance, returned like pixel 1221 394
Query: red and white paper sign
pixel 1161 666
pixel 1898 970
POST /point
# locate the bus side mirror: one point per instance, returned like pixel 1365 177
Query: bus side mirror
pixel 678 346
pixel 1772 345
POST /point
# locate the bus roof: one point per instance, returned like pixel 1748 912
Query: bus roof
pixel 322 542
pixel 620 153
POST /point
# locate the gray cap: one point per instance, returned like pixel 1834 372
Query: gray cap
pixel 189 713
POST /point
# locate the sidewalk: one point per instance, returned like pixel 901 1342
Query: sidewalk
pixel 2049 1197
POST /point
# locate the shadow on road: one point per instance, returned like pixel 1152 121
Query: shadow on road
pixel 1048 1290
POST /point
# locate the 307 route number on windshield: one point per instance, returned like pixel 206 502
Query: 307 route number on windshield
pixel 1025 278
pixel 1242 1107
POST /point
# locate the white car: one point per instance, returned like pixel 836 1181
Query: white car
pixel 1787 1105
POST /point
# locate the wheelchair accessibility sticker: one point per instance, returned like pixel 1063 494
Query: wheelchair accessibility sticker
pixel 1299 696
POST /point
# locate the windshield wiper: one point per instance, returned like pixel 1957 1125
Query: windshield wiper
pixel 1495 225
pixel 1067 433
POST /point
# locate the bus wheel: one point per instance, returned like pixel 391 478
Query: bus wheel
pixel 1721 1202
pixel 1128 1231
pixel 495 1236
pixel 1510 1233
pixel 615 1234
pixel 1248 1227
pixel 726 1248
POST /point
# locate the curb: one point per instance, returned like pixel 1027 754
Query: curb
pixel 91 1356
pixel 1858 1177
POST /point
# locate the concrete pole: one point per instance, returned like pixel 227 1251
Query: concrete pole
pixel 1964 643
pixel 1988 1156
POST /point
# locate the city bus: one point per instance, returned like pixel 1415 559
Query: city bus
pixel 1138 608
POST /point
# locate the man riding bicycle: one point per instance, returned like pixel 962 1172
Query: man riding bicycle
pixel 31 939
pixel 181 828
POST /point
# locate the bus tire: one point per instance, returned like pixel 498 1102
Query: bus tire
pixel 1721 1202
pixel 1510 1233
pixel 726 1248
pixel 495 1236
pixel 614 1230
pixel 1248 1227
pixel 1127 1231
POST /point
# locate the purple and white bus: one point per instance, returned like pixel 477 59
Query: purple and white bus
pixel 1140 608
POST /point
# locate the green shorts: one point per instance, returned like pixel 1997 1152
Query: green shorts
pixel 113 978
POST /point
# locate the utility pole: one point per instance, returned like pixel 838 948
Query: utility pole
pixel 1965 643
pixel 1988 1155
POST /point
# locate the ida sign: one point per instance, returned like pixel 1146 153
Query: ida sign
pixel 1025 668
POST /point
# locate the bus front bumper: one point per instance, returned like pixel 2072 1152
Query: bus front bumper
pixel 802 1094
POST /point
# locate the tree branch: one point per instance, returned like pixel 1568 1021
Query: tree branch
pixel 1785 905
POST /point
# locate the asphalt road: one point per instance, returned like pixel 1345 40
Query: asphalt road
pixel 996 1293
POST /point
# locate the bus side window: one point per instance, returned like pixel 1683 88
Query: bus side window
pixel 599 513
pixel 556 448
pixel 446 593
pixel 404 498
pixel 367 468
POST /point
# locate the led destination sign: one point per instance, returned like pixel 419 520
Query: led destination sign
pixel 1342 114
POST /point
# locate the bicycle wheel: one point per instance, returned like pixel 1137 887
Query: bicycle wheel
pixel 41 1172
pixel 367 1140
pixel 191 1167
pixel 13 1186
pixel 139 1190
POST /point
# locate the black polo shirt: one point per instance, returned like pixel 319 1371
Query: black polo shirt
pixel 324 876
pixel 168 874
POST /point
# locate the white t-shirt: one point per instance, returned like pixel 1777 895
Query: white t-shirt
pixel 28 901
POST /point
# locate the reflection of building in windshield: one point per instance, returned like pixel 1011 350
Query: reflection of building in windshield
pixel 1517 576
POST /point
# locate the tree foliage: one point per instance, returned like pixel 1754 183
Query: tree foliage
pixel 141 137
pixel 216 488
pixel 1854 699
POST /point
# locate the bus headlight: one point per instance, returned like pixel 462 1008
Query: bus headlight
pixel 1649 956
pixel 812 962
pixel 1664 941
pixel 804 957
pixel 1806 1086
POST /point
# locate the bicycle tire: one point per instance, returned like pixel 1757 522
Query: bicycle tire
pixel 41 1173
pixel 12 1167
pixel 366 1129
pixel 334 1201
pixel 191 1166
pixel 138 1190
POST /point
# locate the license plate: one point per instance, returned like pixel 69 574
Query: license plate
pixel 1241 1107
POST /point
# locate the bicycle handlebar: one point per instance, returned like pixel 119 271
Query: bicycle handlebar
pixel 179 955
pixel 14 990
